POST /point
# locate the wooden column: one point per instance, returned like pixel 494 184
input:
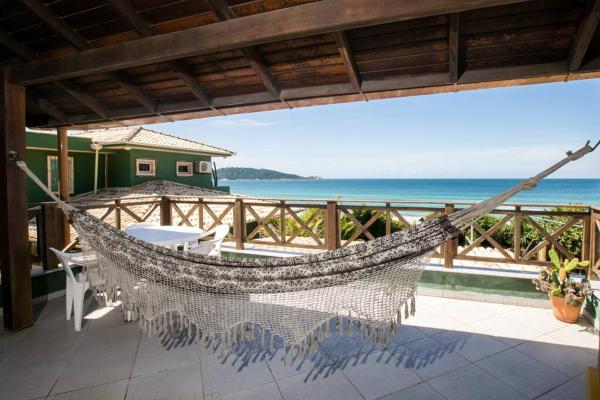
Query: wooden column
pixel 52 234
pixel 449 247
pixel 165 211
pixel 63 182
pixel 332 226
pixel 15 261
pixel 239 224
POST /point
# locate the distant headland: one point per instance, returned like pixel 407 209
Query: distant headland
pixel 235 173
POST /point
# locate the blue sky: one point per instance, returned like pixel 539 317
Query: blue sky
pixel 494 133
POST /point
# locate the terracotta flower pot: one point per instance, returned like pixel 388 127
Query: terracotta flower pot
pixel 565 312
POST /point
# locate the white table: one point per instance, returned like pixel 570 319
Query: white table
pixel 167 236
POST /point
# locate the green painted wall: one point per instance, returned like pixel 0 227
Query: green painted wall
pixel 121 166
pixel 122 172
pixel 83 158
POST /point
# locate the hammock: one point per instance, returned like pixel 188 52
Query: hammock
pixel 368 287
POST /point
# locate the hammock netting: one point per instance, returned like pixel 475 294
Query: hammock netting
pixel 371 284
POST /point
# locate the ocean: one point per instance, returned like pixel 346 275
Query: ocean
pixel 548 192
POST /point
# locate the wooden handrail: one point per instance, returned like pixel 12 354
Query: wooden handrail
pixel 279 222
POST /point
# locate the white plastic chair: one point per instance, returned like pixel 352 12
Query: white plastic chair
pixel 76 285
pixel 211 247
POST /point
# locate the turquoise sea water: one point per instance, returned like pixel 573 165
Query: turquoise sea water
pixel 549 191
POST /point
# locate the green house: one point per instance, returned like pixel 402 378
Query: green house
pixel 120 157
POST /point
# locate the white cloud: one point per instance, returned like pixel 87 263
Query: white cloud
pixel 242 122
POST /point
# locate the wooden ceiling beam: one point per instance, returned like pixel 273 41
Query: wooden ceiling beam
pixel 348 58
pixel 584 34
pixel 255 60
pixel 372 89
pixel 25 54
pixel 127 11
pixel 454 47
pixel 48 16
pixel 287 23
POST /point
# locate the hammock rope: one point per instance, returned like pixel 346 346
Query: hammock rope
pixel 300 300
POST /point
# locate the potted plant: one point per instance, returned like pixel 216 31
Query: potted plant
pixel 565 293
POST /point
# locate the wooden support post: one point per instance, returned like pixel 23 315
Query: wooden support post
pixel 239 223
pixel 586 246
pixel 282 221
pixel 118 214
pixel 63 183
pixel 449 247
pixel 332 226
pixel 388 219
pixel 52 233
pixel 165 211
pixel 200 213
pixel 15 255
pixel 518 223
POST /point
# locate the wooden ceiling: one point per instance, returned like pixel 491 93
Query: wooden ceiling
pixel 100 63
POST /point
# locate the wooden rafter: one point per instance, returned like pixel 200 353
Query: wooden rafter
pixel 222 10
pixel 453 47
pixel 584 34
pixel 143 28
pixel 288 23
pixel 44 13
pixel 348 58
pixel 32 95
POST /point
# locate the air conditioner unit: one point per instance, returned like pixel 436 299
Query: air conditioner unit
pixel 202 167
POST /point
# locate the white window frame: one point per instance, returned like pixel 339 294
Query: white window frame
pixel 190 166
pixel 49 160
pixel 152 163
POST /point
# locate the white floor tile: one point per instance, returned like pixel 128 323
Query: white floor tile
pixel 122 337
pixel 571 361
pixel 84 371
pixel 109 391
pixel 268 391
pixel 157 356
pixel 505 330
pixel 422 391
pixel 471 382
pixel 232 373
pixel 175 384
pixel 428 358
pixel 572 390
pixel 389 375
pixel 472 346
pixel 523 373
pixel 334 386
pixel 581 335
pixel 30 382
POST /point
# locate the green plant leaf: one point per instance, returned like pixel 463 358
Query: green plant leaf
pixel 583 264
pixel 554 258
pixel 555 292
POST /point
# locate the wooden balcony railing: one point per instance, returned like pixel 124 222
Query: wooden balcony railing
pixel 530 230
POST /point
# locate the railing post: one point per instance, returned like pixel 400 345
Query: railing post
pixel 388 219
pixel 282 221
pixel 586 246
pixel 52 234
pixel 200 213
pixel 517 238
pixel 118 214
pixel 449 246
pixel 165 210
pixel 239 224
pixel 332 226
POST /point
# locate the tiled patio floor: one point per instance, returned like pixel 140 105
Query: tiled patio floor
pixel 452 349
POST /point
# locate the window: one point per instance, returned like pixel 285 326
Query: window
pixel 185 168
pixel 53 174
pixel 145 167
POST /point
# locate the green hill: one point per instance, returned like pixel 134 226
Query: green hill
pixel 233 173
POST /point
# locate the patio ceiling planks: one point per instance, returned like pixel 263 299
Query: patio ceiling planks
pixel 141 61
